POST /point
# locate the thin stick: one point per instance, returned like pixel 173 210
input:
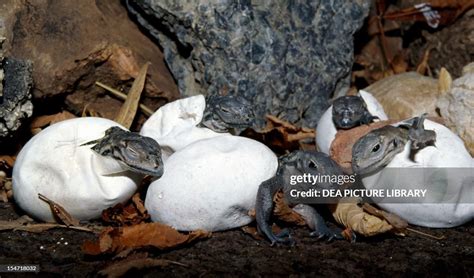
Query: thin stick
pixel 425 234
pixel 147 111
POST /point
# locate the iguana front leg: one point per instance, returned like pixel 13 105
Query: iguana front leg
pixel 316 223
pixel 264 211
pixel 419 136
pixel 367 119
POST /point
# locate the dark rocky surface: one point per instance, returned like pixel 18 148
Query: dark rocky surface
pixel 288 57
pixel 15 101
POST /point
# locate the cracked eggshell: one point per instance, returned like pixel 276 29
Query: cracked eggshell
pixel 449 152
pixel 326 130
pixel 54 164
pixel 211 184
pixel 173 126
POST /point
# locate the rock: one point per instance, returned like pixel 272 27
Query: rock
pixel 211 184
pixel 457 106
pixel 286 57
pixel 406 95
pixel 16 105
pixel 15 90
pixel 74 44
pixel 54 164
pixel 326 130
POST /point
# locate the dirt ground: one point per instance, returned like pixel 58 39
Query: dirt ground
pixel 235 253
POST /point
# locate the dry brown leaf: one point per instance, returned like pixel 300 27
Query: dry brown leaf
pixel 282 136
pixel 46 120
pixel 59 212
pixel 373 25
pixel 41 227
pixel 115 240
pixel 283 211
pixel 25 223
pixel 131 214
pixel 7 160
pixel 381 57
pixel 129 108
pixel 10 225
pixel 394 220
pixel 120 268
pixel 252 231
pixel 138 202
pixel 350 215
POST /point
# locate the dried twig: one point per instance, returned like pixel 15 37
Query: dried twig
pixel 60 212
pixel 146 110
pixel 129 108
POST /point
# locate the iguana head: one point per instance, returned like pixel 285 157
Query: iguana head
pixel 309 162
pixel 223 113
pixel 138 153
pixel 376 149
pixel 350 111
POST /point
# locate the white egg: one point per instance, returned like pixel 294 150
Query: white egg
pixel 54 164
pixel 174 125
pixel 326 130
pixel 211 184
pixel 210 179
pixel 446 171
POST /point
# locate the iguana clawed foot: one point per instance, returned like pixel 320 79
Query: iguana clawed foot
pixel 283 238
pixel 324 231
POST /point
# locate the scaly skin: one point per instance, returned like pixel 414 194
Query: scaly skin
pixel 224 113
pixel 376 149
pixel 350 111
pixel 138 153
pixel 295 163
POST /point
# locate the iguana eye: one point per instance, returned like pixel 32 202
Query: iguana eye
pixel 376 148
pixel 225 110
pixel 312 165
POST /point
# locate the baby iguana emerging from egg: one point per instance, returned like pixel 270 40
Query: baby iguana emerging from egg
pixel 350 111
pixel 296 163
pixel 376 149
pixel 224 113
pixel 140 154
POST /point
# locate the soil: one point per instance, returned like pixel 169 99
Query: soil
pixel 58 253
